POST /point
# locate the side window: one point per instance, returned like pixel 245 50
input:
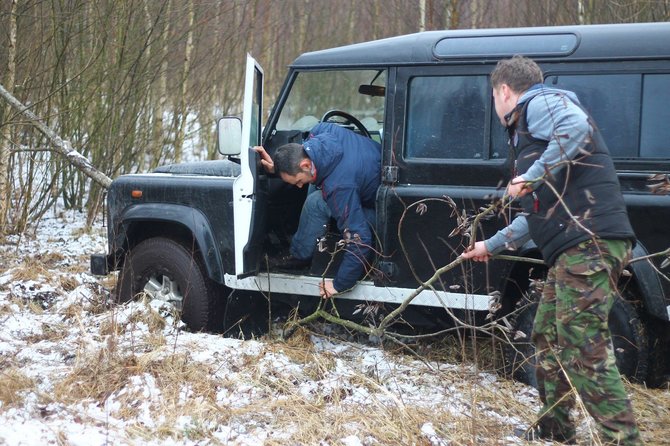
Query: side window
pixel 315 93
pixel 655 132
pixel 613 101
pixel 446 117
pixel 629 109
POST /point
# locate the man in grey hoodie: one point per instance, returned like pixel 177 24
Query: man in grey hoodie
pixel 566 183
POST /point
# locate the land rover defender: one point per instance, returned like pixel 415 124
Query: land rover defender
pixel 199 234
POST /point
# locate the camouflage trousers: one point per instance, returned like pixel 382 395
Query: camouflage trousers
pixel 574 346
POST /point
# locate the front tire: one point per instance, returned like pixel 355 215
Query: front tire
pixel 164 269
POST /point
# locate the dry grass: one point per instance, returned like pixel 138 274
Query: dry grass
pixel 50 333
pixel 151 318
pixel 148 316
pixel 68 283
pixel 652 411
pixel 651 406
pixel 184 389
pixel 74 311
pixel 37 303
pixel 109 281
pixel 6 309
pixel 143 370
pixel 32 267
pixel 384 417
pixel 96 378
pixel 13 383
pixel 7 260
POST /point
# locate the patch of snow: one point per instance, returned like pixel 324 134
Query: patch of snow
pixel 46 332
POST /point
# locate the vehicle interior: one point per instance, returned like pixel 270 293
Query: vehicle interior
pixel 353 99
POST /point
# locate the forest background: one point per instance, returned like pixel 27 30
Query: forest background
pixel 133 84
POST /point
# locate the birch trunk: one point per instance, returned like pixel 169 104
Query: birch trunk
pixel 5 136
pixel 422 15
pixel 181 110
pixel 157 131
pixel 60 145
pixel 452 16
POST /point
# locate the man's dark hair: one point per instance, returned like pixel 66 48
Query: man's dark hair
pixel 288 157
pixel 519 73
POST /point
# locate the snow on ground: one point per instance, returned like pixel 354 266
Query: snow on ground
pixel 76 370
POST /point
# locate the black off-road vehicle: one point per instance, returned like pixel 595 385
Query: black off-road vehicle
pixel 198 234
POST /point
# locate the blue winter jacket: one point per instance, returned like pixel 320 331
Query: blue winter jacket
pixel 348 172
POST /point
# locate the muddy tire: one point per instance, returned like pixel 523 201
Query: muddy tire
pixel 628 337
pixel 164 269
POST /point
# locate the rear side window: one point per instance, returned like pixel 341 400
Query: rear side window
pixel 446 117
pixel 655 129
pixel 629 109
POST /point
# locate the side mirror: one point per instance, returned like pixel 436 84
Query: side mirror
pixel 229 135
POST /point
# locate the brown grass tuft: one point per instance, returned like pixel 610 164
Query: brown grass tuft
pixel 652 412
pixel 12 383
pixel 68 283
pixel 96 378
pixel 150 317
pixel 31 268
pixel 74 311
pixel 186 389
pixel 49 332
pixel 111 327
pixel 5 309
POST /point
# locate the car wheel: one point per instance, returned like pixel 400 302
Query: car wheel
pixel 630 341
pixel 163 269
pixel 628 338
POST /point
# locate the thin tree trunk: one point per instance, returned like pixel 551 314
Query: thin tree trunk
pixel 422 15
pixel 5 129
pixel 157 131
pixel 181 111
pixel 475 13
pixel 302 28
pixel 430 19
pixel 60 145
pixel 452 16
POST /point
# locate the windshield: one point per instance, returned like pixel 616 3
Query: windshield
pixel 315 93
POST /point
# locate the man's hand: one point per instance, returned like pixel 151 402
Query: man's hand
pixel 326 289
pixel 478 253
pixel 518 187
pixel 266 161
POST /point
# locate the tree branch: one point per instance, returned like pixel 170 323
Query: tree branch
pixel 60 145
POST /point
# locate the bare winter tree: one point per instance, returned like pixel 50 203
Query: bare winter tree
pixel 5 129
pixel 118 78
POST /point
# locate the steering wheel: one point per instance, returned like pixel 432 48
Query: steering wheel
pixel 348 120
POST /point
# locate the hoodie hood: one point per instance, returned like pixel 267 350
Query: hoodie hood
pixel 539 89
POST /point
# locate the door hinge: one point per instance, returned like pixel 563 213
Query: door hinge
pixel 390 174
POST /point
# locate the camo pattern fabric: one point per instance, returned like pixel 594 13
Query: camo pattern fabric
pixel 571 335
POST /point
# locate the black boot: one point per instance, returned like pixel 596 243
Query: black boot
pixel 548 429
pixel 288 263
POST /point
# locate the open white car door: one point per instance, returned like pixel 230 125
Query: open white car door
pixel 245 188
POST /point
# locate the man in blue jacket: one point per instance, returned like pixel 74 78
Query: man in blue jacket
pixel 346 169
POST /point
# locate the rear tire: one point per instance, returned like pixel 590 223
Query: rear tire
pixel 164 269
pixel 628 338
